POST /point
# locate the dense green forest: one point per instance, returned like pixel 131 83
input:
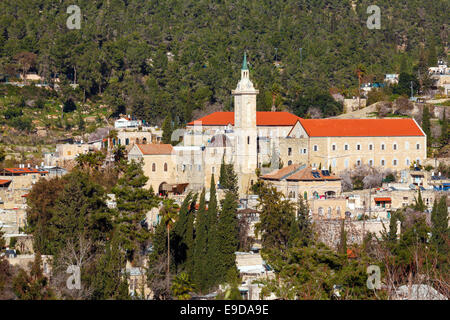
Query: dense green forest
pixel 155 57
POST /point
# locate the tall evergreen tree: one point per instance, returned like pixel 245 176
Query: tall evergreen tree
pixel 444 130
pixel 426 126
pixel 301 233
pixel 342 247
pixel 109 281
pixel 167 128
pixel 420 205
pixel 212 239
pixel 180 246
pixel 133 202
pixel 440 229
pixel 199 275
pixel 227 235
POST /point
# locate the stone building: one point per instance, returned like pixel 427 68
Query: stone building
pixel 255 140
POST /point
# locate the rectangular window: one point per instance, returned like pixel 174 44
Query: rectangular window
pixel 418 146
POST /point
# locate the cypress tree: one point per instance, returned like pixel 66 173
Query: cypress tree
pixel 190 237
pixel 227 235
pixel 342 247
pixel 426 126
pixel 439 221
pixel 200 246
pixel 212 240
pixel 167 129
pixel 222 177
pixel 180 232
pixel 444 130
pixel 420 205
pixel 301 231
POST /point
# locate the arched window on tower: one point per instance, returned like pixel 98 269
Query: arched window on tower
pixel 154 167
pixel 165 166
pixel 248 140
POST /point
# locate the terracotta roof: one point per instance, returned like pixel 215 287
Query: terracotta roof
pixel 280 173
pixel 386 199
pixel 3 182
pixel 155 149
pixel 263 118
pixel 21 171
pixel 308 174
pixel 361 127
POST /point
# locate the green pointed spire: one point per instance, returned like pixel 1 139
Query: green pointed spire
pixel 244 63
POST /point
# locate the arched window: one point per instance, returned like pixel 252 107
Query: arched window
pixel 316 147
pixel 144 141
pixel 289 151
pixel 119 142
pixel 382 162
pixel 418 146
pixel 248 140
pixel 127 141
pixel 165 166
pixel 358 147
pixel 333 147
pixel 371 162
pixel 370 147
pixel 320 211
pixel 289 162
pixel 382 146
pixel 154 167
pixel 137 140
pixel 394 162
pixel 305 195
pixel 329 212
pixel 346 147
pixel 358 162
pixel 114 141
pixel 394 146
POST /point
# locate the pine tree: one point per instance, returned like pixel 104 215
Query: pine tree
pixel 199 275
pixel 227 235
pixel 133 202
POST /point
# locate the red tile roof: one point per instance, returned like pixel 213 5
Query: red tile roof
pixel 263 118
pixel 155 149
pixel 21 171
pixel 3 182
pixel 383 199
pixel 361 127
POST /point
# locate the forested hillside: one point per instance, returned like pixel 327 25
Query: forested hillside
pixel 153 57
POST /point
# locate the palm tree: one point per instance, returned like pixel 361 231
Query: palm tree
pixel 169 214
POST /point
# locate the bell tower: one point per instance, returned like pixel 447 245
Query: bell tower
pixel 245 128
